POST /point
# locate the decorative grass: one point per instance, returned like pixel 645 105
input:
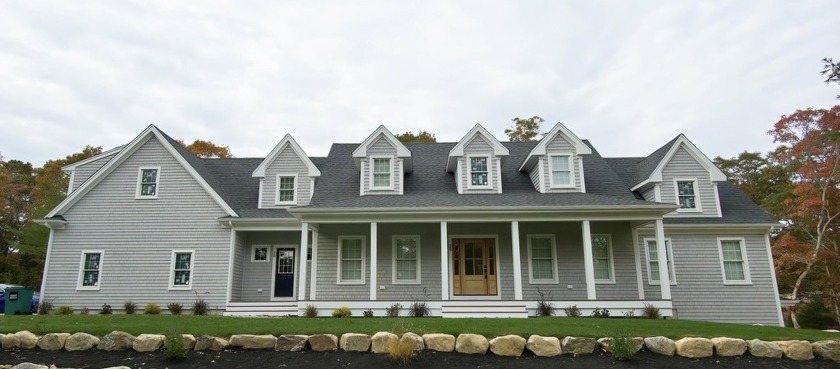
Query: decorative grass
pixel 490 327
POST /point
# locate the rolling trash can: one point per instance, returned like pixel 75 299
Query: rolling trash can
pixel 18 300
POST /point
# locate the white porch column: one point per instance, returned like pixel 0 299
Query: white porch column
pixel 662 258
pixel 517 262
pixel 230 264
pixel 588 264
pixel 373 255
pixel 304 248
pixel 313 275
pixel 444 262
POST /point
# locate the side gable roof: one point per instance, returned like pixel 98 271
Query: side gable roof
pixel 559 129
pixel 287 140
pixel 650 169
pixel 477 130
pixel 402 151
pixel 91 159
pixel 190 162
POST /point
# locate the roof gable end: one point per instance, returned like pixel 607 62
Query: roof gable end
pixel 361 152
pixel 91 159
pixel 715 173
pixel 558 129
pixel 287 140
pixel 477 130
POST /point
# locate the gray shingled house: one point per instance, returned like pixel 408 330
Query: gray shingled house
pixel 475 228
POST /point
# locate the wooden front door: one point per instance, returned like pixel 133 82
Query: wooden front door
pixel 474 266
pixel 284 273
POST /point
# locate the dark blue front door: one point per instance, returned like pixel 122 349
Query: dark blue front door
pixel 284 273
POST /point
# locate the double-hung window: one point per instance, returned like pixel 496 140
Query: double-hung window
pixel 286 189
pixel 686 191
pixel 406 259
pixel 602 258
pixel 561 171
pixel 382 170
pixel 542 259
pixel 351 259
pixel 90 270
pixel 653 261
pixel 181 270
pixel 148 179
pixel 479 171
pixel 733 259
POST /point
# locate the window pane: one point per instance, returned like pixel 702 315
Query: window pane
pixel 687 202
pixel 654 271
pixel 479 179
pixel 351 249
pixel 406 270
pixel 92 261
pixel 382 180
pixel 148 189
pixel 478 164
pixel 600 247
pixel 182 278
pixel 381 165
pixel 351 269
pixel 406 248
pixel 685 188
pixel 542 269
pixel 91 278
pixel 260 253
pixel 561 178
pixel 734 270
pixel 602 268
pixel 182 261
pixel 149 176
pixel 560 163
pixel 731 250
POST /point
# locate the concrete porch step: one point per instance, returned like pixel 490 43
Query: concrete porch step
pixel 484 309
pixel 284 308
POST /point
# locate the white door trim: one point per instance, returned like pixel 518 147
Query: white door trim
pixel 273 273
pixel 498 295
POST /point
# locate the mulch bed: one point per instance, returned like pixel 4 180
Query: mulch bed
pixel 425 359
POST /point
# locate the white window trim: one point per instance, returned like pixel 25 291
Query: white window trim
pixel 531 279
pixel 747 279
pixel 277 189
pixel 140 170
pixel 364 261
pixel 570 158
pixel 390 186
pixel 698 208
pixel 172 286
pixel 394 279
pixel 79 286
pixel 611 280
pixel 267 253
pixel 670 250
pixel 489 184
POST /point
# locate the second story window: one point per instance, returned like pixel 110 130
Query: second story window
pixel 147 183
pixel 286 189
pixel 382 173
pixel 687 195
pixel 561 171
pixel 479 172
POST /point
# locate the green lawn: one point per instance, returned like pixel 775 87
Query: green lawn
pixel 225 326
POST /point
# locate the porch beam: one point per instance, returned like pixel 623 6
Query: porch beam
pixel 517 261
pixel 662 258
pixel 313 275
pixel 588 264
pixel 304 248
pixel 373 257
pixel 444 262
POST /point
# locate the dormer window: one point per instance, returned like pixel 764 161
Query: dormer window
pixel 382 172
pixel 147 183
pixel 687 195
pixel 286 189
pixel 479 172
pixel 561 171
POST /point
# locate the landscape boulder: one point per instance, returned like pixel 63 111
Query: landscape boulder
pixel 759 348
pixel 694 347
pixel 797 350
pixel 210 343
pixel 356 342
pixel 439 342
pixel 8 341
pixel 543 346
pixel 253 342
pixel 380 343
pixel 189 341
pixel 323 342
pixel 471 344
pixel 30 366
pixel 80 342
pixel 291 342
pixel 660 345
pixel 510 345
pixel 27 339
pixel 52 341
pixel 578 345
pixel 725 346
pixel 638 343
pixel 148 342
pixel 414 340
pixel 827 349
pixel 116 340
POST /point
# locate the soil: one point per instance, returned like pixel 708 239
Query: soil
pixel 424 359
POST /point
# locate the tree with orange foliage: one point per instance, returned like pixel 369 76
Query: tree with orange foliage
pixel 811 143
pixel 207 149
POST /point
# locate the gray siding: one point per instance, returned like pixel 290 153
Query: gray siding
pixel 478 146
pixel 138 236
pixel 327 277
pixel 683 166
pixel 239 254
pixel 700 293
pixel 560 145
pixel 83 172
pixel 534 173
pixel 649 194
pixel 429 262
pixel 287 162
pixel 382 147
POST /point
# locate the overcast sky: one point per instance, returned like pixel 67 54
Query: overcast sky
pixel 627 75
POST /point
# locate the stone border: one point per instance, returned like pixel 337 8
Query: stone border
pixel 379 343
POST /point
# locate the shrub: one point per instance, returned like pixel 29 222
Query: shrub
pixel 600 313
pixel 544 305
pixel 173 345
pixel 64 310
pixel 393 311
pixel 814 314
pixel 129 307
pixel 572 311
pixel 368 313
pixel 200 306
pixel 622 346
pixel 419 308
pixel 175 308
pixel 106 310
pixel 400 351
pixel 311 311
pixel 46 307
pixel 151 309
pixel 651 312
pixel 342 312
pixel 84 311
pixel 629 313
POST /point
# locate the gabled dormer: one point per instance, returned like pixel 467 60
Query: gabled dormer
pixel 476 161
pixel 383 162
pixel 555 165
pixel 287 176
pixel 679 173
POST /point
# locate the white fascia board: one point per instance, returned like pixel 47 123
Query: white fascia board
pixel 559 129
pixel 104 154
pixel 361 152
pixel 478 129
pixel 715 173
pixel 312 170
